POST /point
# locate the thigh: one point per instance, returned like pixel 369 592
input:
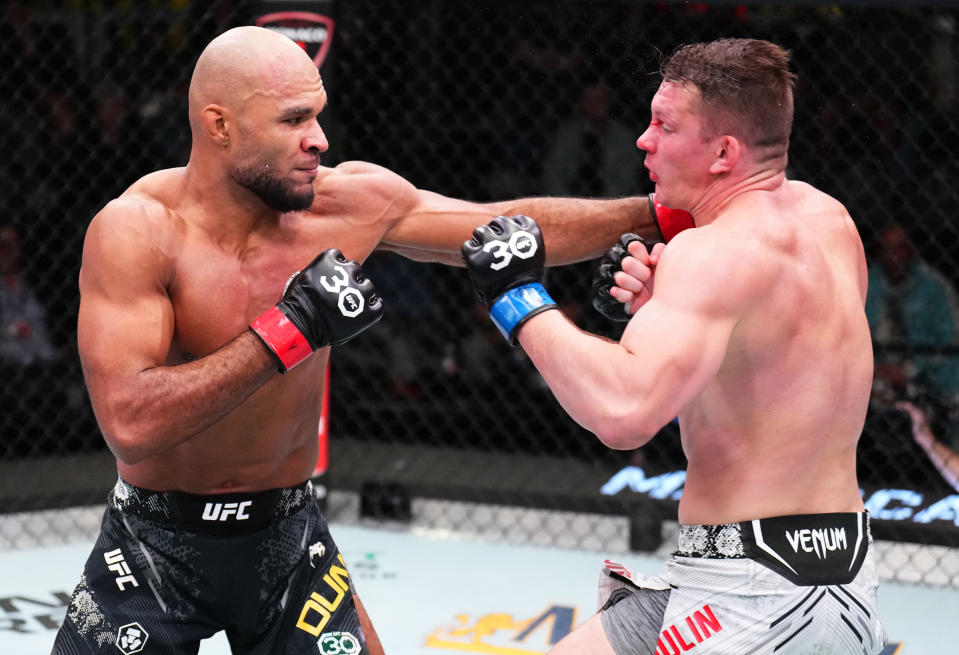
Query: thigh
pixel 633 618
pixel 628 624
pixel 319 612
pixel 588 639
pixel 116 608
pixel 734 606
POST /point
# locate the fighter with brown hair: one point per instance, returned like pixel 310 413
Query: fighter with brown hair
pixel 752 331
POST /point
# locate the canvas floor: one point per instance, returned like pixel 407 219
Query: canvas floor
pixel 434 592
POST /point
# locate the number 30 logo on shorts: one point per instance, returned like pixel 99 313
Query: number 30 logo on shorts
pixel 521 244
pixel 339 643
pixel 350 301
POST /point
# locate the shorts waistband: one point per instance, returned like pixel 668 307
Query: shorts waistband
pixel 226 514
pixel 806 549
pixel 739 540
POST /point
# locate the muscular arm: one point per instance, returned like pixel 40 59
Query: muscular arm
pixel 426 226
pixel 625 392
pixel 125 329
pixel 435 227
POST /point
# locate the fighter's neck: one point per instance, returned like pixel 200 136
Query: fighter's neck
pixel 226 210
pixel 724 193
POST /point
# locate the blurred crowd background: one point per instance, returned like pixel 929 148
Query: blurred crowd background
pixel 484 100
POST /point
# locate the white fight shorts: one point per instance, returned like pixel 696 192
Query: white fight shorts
pixel 791 584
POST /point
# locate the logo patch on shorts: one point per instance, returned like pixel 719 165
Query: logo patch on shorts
pixel 321 605
pixel 339 643
pixel 117 564
pixel 131 638
pixel 223 511
pixel 817 540
pixel 317 551
pixel 810 549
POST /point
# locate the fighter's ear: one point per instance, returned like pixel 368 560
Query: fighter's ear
pixel 215 124
pixel 726 152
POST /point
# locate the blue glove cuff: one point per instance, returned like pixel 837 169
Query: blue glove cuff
pixel 516 306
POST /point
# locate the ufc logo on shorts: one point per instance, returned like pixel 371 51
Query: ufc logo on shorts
pixel 351 300
pixel 223 511
pixel 118 565
pixel 521 244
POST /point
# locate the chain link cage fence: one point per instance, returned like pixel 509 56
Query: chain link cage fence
pixel 485 101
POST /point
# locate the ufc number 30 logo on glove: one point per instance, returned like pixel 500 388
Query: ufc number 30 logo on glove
pixel 521 244
pixel 505 263
pixel 326 304
pixel 350 299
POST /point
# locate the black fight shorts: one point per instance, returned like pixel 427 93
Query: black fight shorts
pixel 170 569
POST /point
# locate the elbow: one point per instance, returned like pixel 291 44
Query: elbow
pixel 625 432
pixel 126 444
pixel 128 434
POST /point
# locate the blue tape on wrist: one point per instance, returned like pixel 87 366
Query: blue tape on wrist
pixel 515 306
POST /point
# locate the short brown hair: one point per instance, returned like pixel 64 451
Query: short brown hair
pixel 745 86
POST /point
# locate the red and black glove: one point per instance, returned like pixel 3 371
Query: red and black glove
pixel 670 222
pixel 326 304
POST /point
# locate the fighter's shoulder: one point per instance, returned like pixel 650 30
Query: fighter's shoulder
pixel 362 190
pixel 816 202
pixel 363 176
pixel 699 246
pixel 702 254
pixel 144 215
pixel 153 195
pixel 356 167
pixel 719 266
pixel 132 212
pixel 823 215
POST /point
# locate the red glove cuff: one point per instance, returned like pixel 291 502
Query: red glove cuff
pixel 669 221
pixel 283 339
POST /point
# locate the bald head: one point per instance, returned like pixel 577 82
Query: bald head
pixel 244 62
pixel 255 98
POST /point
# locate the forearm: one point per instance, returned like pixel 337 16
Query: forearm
pixel 587 375
pixel 597 381
pixel 576 229
pixel 164 406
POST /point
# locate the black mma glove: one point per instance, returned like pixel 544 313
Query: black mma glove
pixel 669 222
pixel 505 263
pixel 326 304
pixel 603 281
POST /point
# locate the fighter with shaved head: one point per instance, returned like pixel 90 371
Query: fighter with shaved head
pixel 210 298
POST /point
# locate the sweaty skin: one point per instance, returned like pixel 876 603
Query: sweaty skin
pixel 176 268
pixel 755 335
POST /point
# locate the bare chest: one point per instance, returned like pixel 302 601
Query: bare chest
pixel 215 295
pixel 216 292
